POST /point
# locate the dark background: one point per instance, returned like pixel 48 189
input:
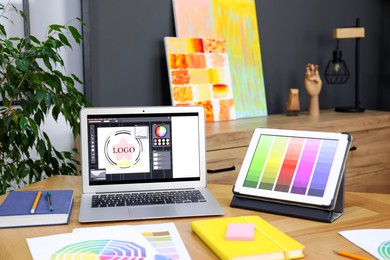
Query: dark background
pixel 124 55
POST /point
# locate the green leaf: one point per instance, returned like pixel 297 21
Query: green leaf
pixel 34 39
pixel 5 101
pixel 40 95
pixel 47 63
pixel 38 117
pixel 22 65
pixel 55 28
pixel 76 78
pixel 41 148
pixel 23 123
pixel 64 40
pixel 2 30
pixel 9 45
pixel 75 33
pixel 55 112
pixel 34 127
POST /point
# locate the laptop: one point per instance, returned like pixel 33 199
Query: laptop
pixel 144 163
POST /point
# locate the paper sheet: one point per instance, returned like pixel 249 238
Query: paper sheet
pixel 150 241
pixel 164 238
pixel 374 241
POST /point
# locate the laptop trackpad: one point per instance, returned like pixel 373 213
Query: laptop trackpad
pixel 152 212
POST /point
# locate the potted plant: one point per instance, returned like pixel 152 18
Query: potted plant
pixel 31 88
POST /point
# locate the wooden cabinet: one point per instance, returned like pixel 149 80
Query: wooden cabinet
pixel 368 165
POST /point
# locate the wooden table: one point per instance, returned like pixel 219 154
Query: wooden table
pixel 362 210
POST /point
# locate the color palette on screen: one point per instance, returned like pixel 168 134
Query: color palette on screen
pixel 292 165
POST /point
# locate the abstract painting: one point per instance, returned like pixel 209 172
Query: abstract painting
pixel 234 21
pixel 199 74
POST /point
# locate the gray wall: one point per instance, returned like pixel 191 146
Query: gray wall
pixel 125 58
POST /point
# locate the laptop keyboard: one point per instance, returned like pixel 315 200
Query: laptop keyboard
pixel 147 198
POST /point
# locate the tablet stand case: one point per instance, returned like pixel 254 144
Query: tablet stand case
pixel 292 210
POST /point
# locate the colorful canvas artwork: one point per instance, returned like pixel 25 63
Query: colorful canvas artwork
pixel 234 21
pixel 199 74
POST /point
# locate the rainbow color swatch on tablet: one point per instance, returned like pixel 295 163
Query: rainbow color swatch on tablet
pixel 293 165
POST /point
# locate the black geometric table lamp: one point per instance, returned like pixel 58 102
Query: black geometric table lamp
pixel 336 72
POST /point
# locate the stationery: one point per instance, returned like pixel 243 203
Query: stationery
pixel 352 256
pixel 34 206
pixel 268 241
pixel 50 201
pixel 240 231
pixel 29 208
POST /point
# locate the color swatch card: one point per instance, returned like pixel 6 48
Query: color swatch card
pixel 165 238
pixel 199 74
pixel 297 166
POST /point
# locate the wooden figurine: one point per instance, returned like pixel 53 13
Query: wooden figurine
pixel 293 106
pixel 313 85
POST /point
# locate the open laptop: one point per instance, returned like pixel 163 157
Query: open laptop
pixel 144 163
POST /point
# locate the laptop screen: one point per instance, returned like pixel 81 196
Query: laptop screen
pixel 142 148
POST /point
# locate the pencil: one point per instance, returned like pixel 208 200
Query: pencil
pixel 34 206
pixel 352 256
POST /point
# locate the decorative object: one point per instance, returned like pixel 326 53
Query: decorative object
pixel 199 74
pixel 234 21
pixel 337 72
pixel 32 87
pixel 313 85
pixel 293 106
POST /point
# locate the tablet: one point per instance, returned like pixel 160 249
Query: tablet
pixel 292 166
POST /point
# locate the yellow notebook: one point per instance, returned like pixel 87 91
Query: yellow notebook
pixel 268 243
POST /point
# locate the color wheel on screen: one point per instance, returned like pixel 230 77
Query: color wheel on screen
pixel 101 249
pixel 161 131
pixel 293 165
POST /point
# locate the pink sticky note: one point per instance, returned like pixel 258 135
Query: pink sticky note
pixel 240 232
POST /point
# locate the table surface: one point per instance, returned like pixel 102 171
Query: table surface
pixel 362 210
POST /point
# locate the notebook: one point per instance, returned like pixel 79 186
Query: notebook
pixel 144 155
pixel 268 242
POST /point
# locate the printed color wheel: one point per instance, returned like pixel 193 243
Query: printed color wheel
pixel 101 249
pixel 384 250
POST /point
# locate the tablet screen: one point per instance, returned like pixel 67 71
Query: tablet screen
pixel 297 166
